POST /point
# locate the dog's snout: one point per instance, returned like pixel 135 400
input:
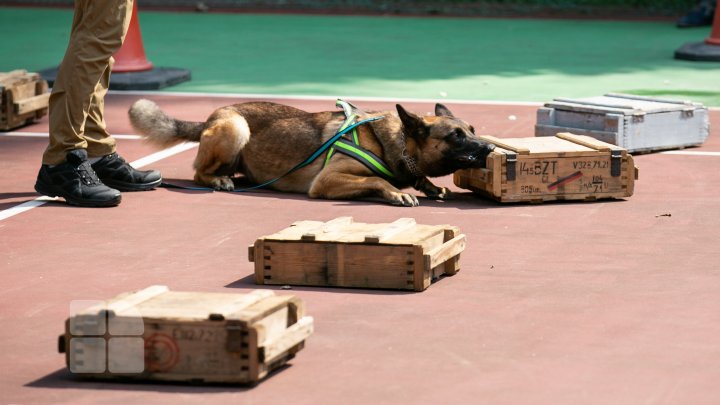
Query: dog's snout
pixel 483 151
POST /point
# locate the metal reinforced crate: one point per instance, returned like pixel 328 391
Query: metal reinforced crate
pixel 563 167
pixel 157 334
pixel 343 253
pixel 638 124
pixel 24 98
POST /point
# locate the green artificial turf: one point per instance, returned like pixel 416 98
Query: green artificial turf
pixel 396 57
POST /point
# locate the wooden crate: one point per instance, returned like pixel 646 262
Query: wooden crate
pixel 638 124
pixel 564 167
pixel 157 334
pixel 24 98
pixel 342 253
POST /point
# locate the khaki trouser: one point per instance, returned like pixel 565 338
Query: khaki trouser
pixel 77 99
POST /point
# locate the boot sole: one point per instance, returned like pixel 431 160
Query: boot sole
pixel 120 186
pixel 53 192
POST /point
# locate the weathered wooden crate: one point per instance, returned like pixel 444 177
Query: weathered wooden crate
pixel 24 98
pixel 157 334
pixel 342 253
pixel 638 124
pixel 563 167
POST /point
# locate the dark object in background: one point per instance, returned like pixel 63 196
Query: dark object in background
pixel 699 16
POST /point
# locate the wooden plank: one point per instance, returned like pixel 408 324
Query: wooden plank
pixel 390 230
pixel 452 266
pixel 292 336
pixel 260 309
pixel 377 266
pixel 255 369
pixel 297 263
pixel 134 299
pixel 8 77
pixel 332 226
pixel 445 252
pixel 549 145
pixel 259 256
pixel 31 104
pixel 419 274
pixel 251 253
pixel 336 264
pixel 272 324
pixel 587 142
pixel 242 302
pixel 504 144
pixel 41 87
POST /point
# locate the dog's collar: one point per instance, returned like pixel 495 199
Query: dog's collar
pixel 410 162
pixel 411 165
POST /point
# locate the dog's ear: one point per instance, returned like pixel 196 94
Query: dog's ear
pixel 442 111
pixel 414 125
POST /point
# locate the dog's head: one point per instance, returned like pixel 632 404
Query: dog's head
pixel 445 143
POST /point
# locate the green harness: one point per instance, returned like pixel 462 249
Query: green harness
pixel 351 147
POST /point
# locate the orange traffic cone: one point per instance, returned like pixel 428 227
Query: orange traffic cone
pixel 714 38
pixel 132 70
pixel 131 56
pixel 708 50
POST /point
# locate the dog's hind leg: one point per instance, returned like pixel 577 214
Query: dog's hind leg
pixel 219 152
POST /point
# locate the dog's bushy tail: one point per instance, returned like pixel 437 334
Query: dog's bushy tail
pixel 159 128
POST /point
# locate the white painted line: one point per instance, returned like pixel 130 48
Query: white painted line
pixel 45 135
pixel 323 98
pixel 28 205
pixel 163 154
pixel 690 153
pixel 333 98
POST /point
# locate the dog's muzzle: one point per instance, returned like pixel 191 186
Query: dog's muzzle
pixel 478 158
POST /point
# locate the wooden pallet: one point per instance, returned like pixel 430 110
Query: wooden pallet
pixel 24 98
pixel 157 334
pixel 343 253
pixel 563 167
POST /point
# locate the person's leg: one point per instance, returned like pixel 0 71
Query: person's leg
pixel 97 33
pixel 112 169
pixel 99 141
pixel 99 28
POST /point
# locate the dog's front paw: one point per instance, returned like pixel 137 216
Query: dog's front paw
pixel 442 193
pixel 222 184
pixel 403 199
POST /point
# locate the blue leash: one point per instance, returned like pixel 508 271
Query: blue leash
pixel 325 146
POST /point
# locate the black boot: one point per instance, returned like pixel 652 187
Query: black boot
pixel 116 173
pixel 76 182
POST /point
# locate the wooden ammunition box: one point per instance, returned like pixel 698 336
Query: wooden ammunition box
pixel 563 167
pixel 24 98
pixel 342 253
pixel 156 334
pixel 638 124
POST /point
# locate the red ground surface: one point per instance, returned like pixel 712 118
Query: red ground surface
pixel 605 302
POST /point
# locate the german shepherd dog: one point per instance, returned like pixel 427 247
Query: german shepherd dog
pixel 264 140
